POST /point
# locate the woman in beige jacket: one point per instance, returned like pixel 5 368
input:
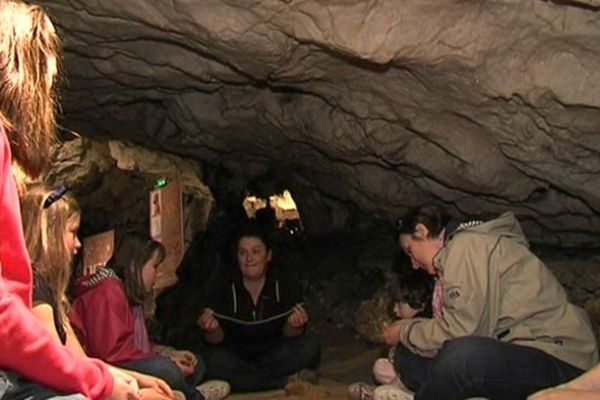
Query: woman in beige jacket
pixel 507 328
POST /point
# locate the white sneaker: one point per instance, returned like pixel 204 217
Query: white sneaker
pixel 391 392
pixel 214 389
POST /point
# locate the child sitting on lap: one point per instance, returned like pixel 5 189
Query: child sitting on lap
pixel 411 294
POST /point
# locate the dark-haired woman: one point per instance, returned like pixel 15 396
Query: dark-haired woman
pixel 254 322
pixel 507 328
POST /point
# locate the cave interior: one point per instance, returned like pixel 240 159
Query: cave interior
pixel 361 109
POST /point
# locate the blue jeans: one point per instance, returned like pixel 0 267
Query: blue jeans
pixel 480 366
pixel 165 369
pixel 266 370
pixel 14 387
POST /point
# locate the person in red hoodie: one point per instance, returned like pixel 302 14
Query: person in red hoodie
pixel 32 364
pixel 108 313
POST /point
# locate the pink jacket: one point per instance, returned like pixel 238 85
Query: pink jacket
pixel 26 346
pixel 104 320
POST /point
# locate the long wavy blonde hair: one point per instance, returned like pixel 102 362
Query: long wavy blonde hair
pixel 45 230
pixel 29 63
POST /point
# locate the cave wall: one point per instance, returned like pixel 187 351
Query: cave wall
pixel 343 273
pixel 112 181
pixel 375 106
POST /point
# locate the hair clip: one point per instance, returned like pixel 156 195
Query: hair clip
pixel 55 195
pixel 399 223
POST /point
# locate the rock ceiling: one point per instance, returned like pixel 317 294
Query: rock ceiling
pixel 369 106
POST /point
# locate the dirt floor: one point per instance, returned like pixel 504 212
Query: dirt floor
pixel 326 389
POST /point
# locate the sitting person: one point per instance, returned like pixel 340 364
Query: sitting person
pixel 32 364
pixel 254 321
pixel 507 328
pixel 107 315
pixel 50 223
pixel 411 293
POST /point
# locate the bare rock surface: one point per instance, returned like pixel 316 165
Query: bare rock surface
pixel 112 182
pixel 363 107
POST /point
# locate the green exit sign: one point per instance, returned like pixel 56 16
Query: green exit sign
pixel 160 183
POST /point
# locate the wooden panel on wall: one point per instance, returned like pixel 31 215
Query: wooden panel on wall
pixel 166 226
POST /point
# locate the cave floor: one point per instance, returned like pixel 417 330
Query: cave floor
pixel 345 359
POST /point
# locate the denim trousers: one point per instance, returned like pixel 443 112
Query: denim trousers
pixel 266 370
pixel 15 387
pixel 480 366
pixel 165 369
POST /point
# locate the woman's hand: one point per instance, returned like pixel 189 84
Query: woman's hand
pixel 298 318
pixel 210 325
pixel 185 360
pixel 207 321
pixel 390 333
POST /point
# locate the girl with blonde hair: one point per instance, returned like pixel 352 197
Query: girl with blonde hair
pixel 51 221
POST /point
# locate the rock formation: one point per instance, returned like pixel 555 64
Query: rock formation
pixel 361 108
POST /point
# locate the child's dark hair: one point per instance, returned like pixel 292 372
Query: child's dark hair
pixel 132 252
pixel 414 288
pixel 249 229
pixel 433 217
pixel 255 230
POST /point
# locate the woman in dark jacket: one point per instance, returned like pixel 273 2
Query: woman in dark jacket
pixel 254 321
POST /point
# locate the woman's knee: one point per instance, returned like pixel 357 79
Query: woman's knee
pixel 458 356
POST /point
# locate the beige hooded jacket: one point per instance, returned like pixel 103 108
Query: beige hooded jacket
pixel 495 287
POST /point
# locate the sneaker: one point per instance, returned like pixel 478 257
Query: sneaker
pixel 360 391
pixel 391 392
pixel 307 375
pixel 214 389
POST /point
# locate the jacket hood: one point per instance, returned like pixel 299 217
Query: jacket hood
pixel 88 282
pixel 505 225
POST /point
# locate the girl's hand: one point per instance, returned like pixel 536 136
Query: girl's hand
pixel 298 318
pixel 185 361
pixel 207 321
pixel 151 382
pixel 188 357
pixel 125 387
pixel 153 394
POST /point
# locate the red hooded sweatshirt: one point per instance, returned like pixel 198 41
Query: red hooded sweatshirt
pixel 26 346
pixel 104 321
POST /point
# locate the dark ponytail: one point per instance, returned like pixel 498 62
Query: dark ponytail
pixel 433 217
